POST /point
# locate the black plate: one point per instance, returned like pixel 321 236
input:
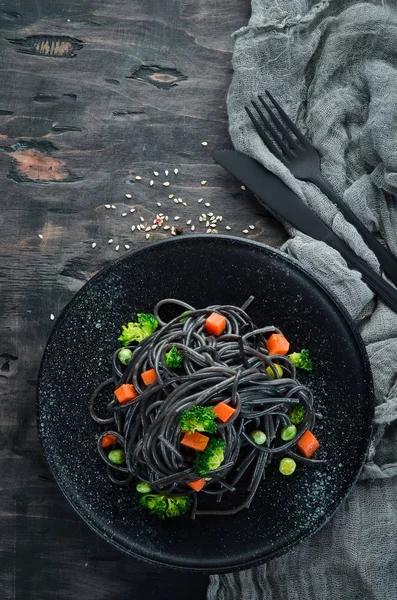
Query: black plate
pixel 204 270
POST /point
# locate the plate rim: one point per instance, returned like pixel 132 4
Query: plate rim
pixel 233 566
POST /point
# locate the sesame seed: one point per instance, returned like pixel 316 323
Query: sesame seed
pixel 204 143
pixel 207 204
pixel 151 182
pixel 176 218
pixel 188 222
pixel 132 228
pixel 153 226
pixel 176 171
pixel 110 241
pixel 128 196
pixel 193 227
pixel 173 232
pixel 158 203
pixel 166 183
pixel 245 231
pixel 166 172
pixel 228 228
pixel 148 228
pixel 180 200
pixel 184 203
pixel 142 219
pixel 124 214
pixel 117 248
pixel 41 236
pixel 138 177
pixel 176 200
pixel 127 246
pixel 93 245
pixel 204 215
pixel 166 227
pixel 107 205
pixel 52 317
pixel 251 226
pixel 203 182
pixel 200 219
pixel 166 218
pixel 147 236
pixel 220 218
pixel 208 230
pixel 113 206
pixel 207 224
pixel 200 200
pixel 138 227
pixel 171 196
pixel 243 187
pixel 210 214
pixel 155 173
pixel 132 209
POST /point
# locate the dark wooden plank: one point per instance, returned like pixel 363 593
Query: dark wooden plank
pixel 93 94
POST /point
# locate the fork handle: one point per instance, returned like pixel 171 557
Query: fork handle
pixel 387 261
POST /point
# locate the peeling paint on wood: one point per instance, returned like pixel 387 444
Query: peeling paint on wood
pixel 160 78
pixel 33 162
pixel 47 45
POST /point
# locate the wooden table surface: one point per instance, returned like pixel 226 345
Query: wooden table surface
pixel 94 93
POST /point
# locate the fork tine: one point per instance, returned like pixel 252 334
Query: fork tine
pixel 288 121
pixel 279 125
pixel 263 135
pixel 274 133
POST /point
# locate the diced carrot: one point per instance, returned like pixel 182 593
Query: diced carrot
pixel 195 440
pixel 108 440
pixel 277 344
pixel 125 393
pixel 197 485
pixel 215 324
pixel 223 411
pixel 308 444
pixel 149 377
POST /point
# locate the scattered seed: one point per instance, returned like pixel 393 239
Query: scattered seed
pixel 204 143
pixel 117 248
pixel 142 219
pixel 147 236
pixel 132 209
pixel 176 218
pixel 209 230
pixel 180 200
pixel 148 228
pixel 166 227
pixel 210 214
pixel 166 183
pixel 138 177
pixel 176 171
pixel 200 219
pixel 188 222
pixel 41 236
pixel 228 228
pixel 52 317
pixel 171 196
pixel 124 214
pixel 207 204
pixel 151 182
pixel 204 215
pixel 207 224
pixel 200 200
pixel 113 206
pixel 184 203
pixel 173 232
pixel 193 227
pixel 153 227
pixel 107 205
pixel 158 203
pixel 203 182
pixel 128 195
pixel 251 226
pixel 127 246
pixel 155 173
pixel 138 227
pixel 132 228
pixel 93 245
pixel 245 231
pixel 111 239
pixel 176 200
pixel 220 218
pixel 243 187
pixel 166 172
pixel 166 218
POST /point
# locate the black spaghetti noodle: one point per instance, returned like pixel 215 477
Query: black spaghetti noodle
pixel 234 368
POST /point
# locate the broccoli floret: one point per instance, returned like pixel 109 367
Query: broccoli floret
pixel 211 458
pixel 165 506
pixel 301 360
pixel 136 332
pixel 173 358
pixel 198 418
pixel 297 414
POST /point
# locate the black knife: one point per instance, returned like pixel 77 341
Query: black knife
pixel 273 193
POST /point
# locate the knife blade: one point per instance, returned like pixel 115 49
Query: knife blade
pixel 273 193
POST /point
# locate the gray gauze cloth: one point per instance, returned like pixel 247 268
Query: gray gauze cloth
pixel 333 66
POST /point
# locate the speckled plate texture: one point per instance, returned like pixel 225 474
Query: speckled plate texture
pixel 204 270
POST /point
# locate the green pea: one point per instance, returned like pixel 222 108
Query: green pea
pixel 259 437
pixel 125 356
pixel 287 466
pixel 143 487
pixel 288 433
pixel 270 371
pixel 117 456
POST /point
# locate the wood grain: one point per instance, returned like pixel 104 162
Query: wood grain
pixel 93 94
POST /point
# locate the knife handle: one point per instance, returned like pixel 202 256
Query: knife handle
pixel 380 286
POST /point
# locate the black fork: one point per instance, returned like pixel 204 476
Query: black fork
pixel 283 138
